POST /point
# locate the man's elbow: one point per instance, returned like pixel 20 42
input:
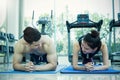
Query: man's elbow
pixel 14 67
pixel 18 67
pixel 54 66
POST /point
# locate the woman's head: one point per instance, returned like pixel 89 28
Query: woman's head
pixel 91 41
pixel 31 35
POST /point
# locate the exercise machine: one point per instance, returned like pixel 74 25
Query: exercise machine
pixel 82 21
pixel 114 24
pixel 4 48
pixel 42 21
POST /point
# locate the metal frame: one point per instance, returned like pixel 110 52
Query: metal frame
pixel 113 24
pixel 4 38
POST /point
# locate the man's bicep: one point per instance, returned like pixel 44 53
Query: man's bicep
pixel 52 58
pixel 17 58
pixel 51 52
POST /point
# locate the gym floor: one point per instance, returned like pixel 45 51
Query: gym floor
pixel 58 76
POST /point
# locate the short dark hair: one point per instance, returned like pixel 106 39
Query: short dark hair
pixel 31 34
pixel 92 39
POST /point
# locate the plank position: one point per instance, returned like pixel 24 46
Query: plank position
pixel 41 48
pixel 88 47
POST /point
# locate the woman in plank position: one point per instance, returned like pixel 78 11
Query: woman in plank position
pixel 88 47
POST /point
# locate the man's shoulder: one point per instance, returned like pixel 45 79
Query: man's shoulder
pixel 18 43
pixel 19 46
pixel 46 39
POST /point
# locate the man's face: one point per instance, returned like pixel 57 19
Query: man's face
pixel 35 45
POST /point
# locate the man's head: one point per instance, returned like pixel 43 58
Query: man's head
pixel 31 35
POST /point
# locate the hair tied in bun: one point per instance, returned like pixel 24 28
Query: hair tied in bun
pixel 94 33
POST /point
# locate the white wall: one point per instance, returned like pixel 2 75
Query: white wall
pixel 12 17
pixel 2 12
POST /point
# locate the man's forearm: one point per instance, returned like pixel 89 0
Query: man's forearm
pixel 19 67
pixel 48 66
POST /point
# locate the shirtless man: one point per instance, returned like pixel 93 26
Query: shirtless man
pixel 37 44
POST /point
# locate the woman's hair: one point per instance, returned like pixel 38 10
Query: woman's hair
pixel 31 34
pixel 92 39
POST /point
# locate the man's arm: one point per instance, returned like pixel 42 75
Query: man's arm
pixel 51 57
pixel 17 58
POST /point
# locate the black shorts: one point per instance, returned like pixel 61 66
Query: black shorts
pixel 37 59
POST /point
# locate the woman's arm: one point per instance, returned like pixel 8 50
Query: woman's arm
pixel 105 57
pixel 76 49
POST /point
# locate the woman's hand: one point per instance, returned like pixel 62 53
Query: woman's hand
pixel 89 66
pixel 29 66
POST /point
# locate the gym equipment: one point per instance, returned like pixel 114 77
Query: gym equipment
pixel 83 18
pixel 59 67
pixel 43 22
pixel 11 37
pixel 118 16
pixel 81 23
pixel 11 49
pixel 70 70
pixel 3 49
pixel 3 37
pixel 113 24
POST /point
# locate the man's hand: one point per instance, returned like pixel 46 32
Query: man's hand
pixel 89 66
pixel 29 66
